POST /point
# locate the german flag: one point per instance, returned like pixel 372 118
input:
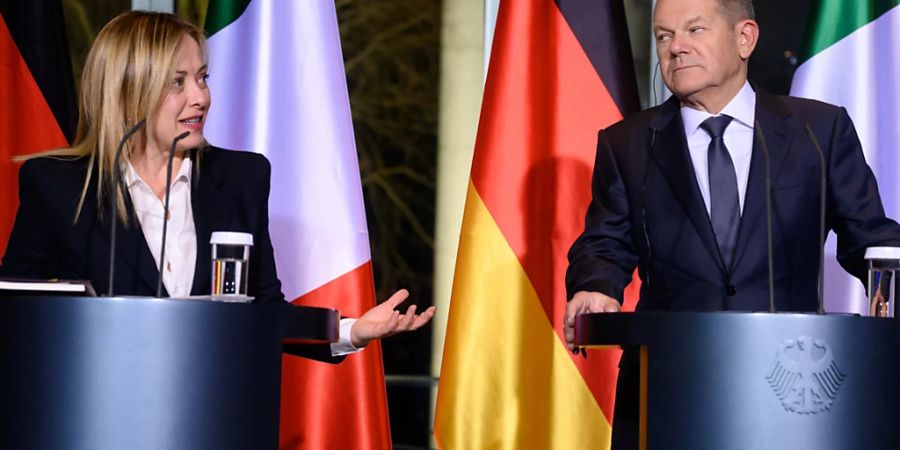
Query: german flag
pixel 37 111
pixel 559 71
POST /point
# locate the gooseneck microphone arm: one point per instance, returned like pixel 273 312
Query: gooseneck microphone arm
pixel 644 203
pixel 117 187
pixel 765 149
pixel 162 250
pixel 822 198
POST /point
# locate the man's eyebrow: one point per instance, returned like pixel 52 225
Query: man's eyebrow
pixel 689 22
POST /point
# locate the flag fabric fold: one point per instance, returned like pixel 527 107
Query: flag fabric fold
pixel 852 59
pixel 559 72
pixel 278 88
pixel 36 85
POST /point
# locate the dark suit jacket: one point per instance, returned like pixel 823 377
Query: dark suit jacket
pixel 647 211
pixel 229 192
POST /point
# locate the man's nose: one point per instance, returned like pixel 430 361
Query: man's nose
pixel 678 45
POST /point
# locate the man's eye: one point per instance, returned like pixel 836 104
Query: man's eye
pixel 663 37
pixel 696 29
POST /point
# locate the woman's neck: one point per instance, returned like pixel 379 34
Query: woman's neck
pixel 150 164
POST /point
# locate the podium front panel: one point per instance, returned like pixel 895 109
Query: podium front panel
pixel 138 373
pixel 763 381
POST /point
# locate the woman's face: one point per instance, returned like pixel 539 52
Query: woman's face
pixel 186 101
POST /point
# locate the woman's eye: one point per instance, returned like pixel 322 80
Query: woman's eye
pixel 178 82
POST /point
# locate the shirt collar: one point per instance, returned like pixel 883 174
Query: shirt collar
pixel 184 173
pixel 742 108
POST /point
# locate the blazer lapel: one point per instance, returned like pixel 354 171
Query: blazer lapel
pixel 771 118
pixel 209 215
pixel 670 153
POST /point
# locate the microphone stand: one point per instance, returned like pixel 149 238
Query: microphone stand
pixel 822 182
pixel 118 187
pixel 162 251
pixel 765 149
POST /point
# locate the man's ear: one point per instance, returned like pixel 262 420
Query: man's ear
pixel 748 36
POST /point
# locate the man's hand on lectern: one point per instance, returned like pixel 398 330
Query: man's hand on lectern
pixel 586 302
pixel 383 320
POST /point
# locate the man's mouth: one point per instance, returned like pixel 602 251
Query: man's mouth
pixel 679 68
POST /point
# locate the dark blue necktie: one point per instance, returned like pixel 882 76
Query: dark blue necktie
pixel 724 206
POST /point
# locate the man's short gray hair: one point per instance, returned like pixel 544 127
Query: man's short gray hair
pixel 737 10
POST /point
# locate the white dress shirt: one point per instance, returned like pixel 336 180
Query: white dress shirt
pixel 738 139
pixel 181 243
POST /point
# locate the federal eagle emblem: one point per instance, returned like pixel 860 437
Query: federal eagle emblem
pixel 805 377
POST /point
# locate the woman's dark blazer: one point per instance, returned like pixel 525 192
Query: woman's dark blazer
pixel 229 192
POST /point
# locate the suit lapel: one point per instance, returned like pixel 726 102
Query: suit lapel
pixel 209 215
pixel 670 153
pixel 771 118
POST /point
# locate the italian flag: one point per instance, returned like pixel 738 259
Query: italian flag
pixel 559 71
pixel 278 88
pixel 852 59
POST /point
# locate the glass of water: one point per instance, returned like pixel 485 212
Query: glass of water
pixel 884 266
pixel 230 265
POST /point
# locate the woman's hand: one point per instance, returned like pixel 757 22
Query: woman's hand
pixel 383 320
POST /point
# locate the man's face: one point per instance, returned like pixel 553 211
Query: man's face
pixel 699 51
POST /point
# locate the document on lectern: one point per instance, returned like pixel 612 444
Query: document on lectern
pixel 11 286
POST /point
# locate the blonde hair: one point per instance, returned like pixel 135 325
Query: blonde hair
pixel 125 78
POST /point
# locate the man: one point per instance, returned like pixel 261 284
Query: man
pixel 679 190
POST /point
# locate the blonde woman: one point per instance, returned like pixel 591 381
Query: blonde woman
pixel 154 66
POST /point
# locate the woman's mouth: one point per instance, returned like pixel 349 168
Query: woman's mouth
pixel 192 122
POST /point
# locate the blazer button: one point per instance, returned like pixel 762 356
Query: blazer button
pixel 730 290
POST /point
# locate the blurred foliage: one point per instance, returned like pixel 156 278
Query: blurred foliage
pixel 84 18
pixel 193 10
pixel 391 60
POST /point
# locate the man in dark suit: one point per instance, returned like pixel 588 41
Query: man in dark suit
pixel 679 190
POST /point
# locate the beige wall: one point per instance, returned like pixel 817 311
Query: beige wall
pixel 462 71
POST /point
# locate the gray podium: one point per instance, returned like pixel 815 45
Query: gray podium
pixel 142 373
pixel 760 381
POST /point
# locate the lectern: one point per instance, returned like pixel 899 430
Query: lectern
pixel 760 381
pixel 143 373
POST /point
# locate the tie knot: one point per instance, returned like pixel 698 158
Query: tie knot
pixel 715 126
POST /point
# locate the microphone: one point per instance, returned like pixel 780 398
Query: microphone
pixel 118 186
pixel 644 202
pixel 822 181
pixel 162 251
pixel 765 148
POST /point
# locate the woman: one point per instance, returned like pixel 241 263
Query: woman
pixel 154 66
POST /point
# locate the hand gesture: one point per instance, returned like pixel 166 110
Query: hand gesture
pixel 383 320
